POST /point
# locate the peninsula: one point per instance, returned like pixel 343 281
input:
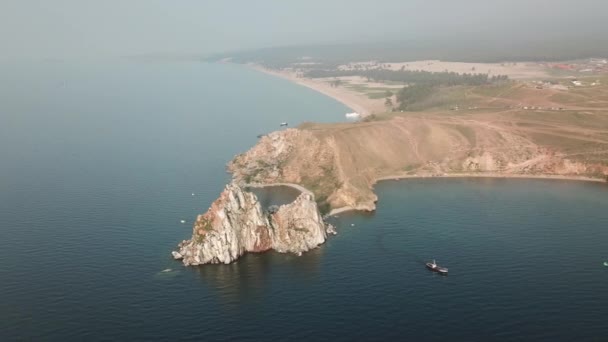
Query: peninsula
pixel 420 119
pixel 438 119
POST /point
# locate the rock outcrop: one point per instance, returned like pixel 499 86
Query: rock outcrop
pixel 236 223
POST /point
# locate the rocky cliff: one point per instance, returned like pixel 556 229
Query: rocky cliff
pixel 236 223
pixel 340 163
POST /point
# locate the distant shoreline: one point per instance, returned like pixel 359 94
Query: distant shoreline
pixel 336 211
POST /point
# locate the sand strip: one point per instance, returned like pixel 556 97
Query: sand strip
pixel 291 185
pixel 358 103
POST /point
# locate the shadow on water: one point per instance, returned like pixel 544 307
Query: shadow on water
pixel 249 278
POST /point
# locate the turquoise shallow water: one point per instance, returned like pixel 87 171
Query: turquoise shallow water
pixel 98 166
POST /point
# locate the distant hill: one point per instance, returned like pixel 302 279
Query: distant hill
pixel 470 49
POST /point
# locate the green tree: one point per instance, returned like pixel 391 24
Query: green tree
pixel 412 94
pixel 388 102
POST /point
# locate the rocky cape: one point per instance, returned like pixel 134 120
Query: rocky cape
pixel 236 223
pixel 340 163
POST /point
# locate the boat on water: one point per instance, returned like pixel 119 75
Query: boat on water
pixel 284 124
pixel 436 268
pixel 606 263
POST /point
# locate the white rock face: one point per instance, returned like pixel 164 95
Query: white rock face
pixel 176 255
pixel 236 224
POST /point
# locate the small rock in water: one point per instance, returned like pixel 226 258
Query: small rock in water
pixel 331 229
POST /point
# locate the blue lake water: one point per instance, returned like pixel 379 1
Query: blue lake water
pixel 98 164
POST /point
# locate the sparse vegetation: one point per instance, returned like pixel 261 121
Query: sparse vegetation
pixel 205 224
pixel 420 85
pixel 412 167
pixel 336 82
pixel 409 76
pixel 370 118
pixel 323 205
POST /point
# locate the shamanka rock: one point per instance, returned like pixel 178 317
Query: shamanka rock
pixel 236 223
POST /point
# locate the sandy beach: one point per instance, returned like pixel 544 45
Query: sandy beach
pixel 359 103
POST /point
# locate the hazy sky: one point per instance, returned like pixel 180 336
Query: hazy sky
pixel 75 28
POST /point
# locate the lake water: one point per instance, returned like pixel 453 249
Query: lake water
pixel 275 195
pixel 99 163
